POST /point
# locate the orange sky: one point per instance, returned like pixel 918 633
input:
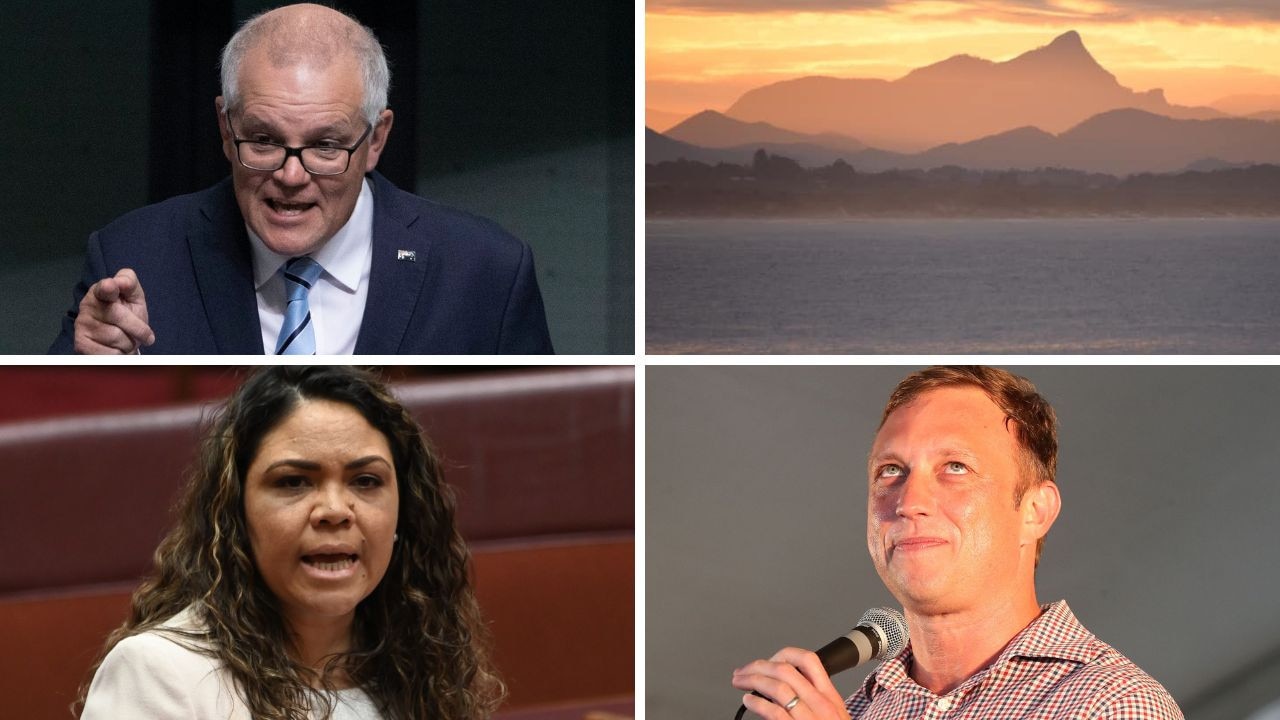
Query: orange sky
pixel 697 59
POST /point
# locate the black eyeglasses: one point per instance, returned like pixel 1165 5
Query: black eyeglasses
pixel 316 159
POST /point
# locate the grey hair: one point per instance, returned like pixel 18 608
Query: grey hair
pixel 321 42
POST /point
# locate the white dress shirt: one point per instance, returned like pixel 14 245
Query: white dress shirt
pixel 152 676
pixel 337 301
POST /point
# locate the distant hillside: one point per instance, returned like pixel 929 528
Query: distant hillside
pixel 1250 105
pixel 715 130
pixel 1053 88
pixel 1214 164
pixel 1117 142
pixel 661 120
pixel 659 147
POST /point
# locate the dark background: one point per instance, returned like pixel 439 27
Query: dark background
pixel 519 111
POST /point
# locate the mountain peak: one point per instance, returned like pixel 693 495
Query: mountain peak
pixel 1066 47
pixel 1066 54
pixel 1069 40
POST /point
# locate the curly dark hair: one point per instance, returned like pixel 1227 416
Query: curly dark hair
pixel 419 646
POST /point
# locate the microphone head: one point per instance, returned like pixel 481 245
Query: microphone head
pixel 889 625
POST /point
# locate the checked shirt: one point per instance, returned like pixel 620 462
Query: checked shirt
pixel 1054 669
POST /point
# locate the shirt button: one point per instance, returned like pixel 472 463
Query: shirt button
pixel 944 704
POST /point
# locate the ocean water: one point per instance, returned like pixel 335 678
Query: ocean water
pixel 870 286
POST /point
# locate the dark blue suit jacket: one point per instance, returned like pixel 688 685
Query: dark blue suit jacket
pixel 470 290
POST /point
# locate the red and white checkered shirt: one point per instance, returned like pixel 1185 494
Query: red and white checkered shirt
pixel 1053 669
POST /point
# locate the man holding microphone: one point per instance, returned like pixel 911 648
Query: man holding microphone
pixel 961 493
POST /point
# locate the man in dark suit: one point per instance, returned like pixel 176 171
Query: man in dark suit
pixel 304 249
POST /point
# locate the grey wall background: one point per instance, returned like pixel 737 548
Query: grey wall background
pixel 525 114
pixel 1166 546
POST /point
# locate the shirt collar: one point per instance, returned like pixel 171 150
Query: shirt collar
pixel 1055 635
pixel 341 256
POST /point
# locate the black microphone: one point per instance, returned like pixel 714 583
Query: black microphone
pixel 881 633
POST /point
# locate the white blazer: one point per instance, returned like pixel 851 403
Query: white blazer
pixel 149 675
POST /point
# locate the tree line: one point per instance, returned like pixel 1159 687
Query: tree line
pixel 774 185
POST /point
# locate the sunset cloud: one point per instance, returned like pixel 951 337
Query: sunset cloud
pixel 1196 50
pixel 1225 10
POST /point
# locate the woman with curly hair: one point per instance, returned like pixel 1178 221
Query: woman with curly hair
pixel 315 572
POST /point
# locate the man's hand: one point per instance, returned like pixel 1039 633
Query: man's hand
pixel 113 317
pixel 790 673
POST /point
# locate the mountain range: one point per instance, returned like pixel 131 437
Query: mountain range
pixel 712 129
pixel 1116 142
pixel 1257 105
pixel 718 138
pixel 1053 88
pixel 1050 107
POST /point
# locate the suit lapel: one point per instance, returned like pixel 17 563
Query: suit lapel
pixel 395 281
pixel 224 274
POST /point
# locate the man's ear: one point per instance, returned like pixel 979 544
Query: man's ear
pixel 378 139
pixel 1040 506
pixel 224 129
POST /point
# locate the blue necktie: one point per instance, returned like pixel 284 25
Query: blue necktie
pixel 296 334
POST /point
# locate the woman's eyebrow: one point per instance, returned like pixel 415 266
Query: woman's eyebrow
pixel 367 460
pixel 312 465
pixel 293 462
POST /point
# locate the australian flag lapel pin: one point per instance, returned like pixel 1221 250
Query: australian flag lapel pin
pixel 407 255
